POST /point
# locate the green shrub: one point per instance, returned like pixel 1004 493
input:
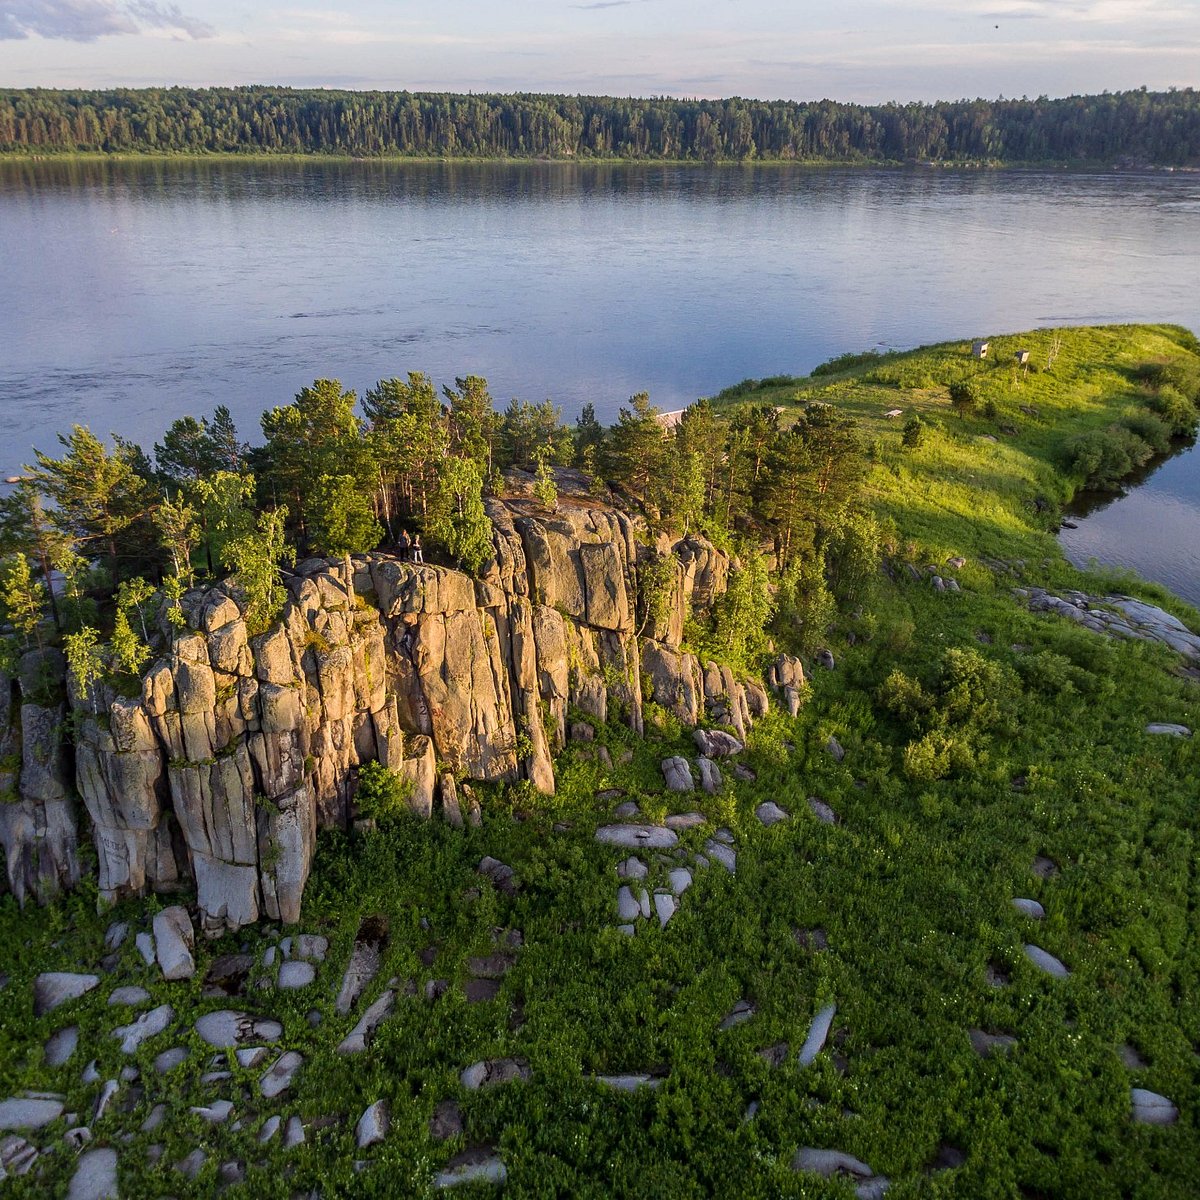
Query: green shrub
pixel 1102 458
pixel 382 793
pixel 1155 432
pixel 1176 410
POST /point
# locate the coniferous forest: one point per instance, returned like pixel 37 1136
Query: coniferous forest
pixel 1134 127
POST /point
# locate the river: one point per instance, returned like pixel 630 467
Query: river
pixel 133 293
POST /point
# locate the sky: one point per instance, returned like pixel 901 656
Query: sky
pixel 856 50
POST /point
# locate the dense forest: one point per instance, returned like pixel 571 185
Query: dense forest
pixel 1138 127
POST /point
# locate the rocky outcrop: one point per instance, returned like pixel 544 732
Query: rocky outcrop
pixel 242 744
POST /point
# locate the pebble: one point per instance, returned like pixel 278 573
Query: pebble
pixel 1031 908
pixel 627 930
pixel 168 1060
pixel 742 1011
pixel 216 1113
pixel 818 1031
pixel 78 1137
pixel 1131 1058
pixel 225 1029
pixel 57 987
pixel 91 1073
pixel 107 1094
pixel 148 1025
pixel 372 1126
pixel 834 749
pixel 446 1121
pixel 355 1042
pixel 472 1166
pixel 628 909
pixel 18 1113
pixel 501 874
pixel 131 995
pixel 637 837
pixel 251 1056
pixel 680 879
pixel 1044 868
pixel 665 905
pixel 769 813
pixel 145 947
pixel 270 1127
pixel 687 820
pixel 193 1164
pixel 830 1163
pixel 279 1078
pixel 17 1156
pixel 632 868
pixel 1149 1108
pixel 822 811
pixel 722 854
pixel 95 1176
pixel 154 1118
pixel 710 776
pixel 293 1133
pixel 173 942
pixel 61 1045
pixel 1046 961
pixel 114 939
pixel 296 974
pixel 628 809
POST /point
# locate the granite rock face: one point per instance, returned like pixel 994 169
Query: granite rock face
pixel 243 744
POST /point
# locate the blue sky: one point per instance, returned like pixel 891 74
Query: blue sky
pixel 865 50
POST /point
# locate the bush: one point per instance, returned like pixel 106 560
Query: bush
pixel 846 362
pixel 1102 458
pixel 914 433
pixel 1179 413
pixel 1151 429
pixel 382 793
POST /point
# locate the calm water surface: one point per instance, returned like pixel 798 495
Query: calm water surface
pixel 131 293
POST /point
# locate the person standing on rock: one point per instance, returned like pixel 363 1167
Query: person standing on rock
pixel 403 544
pixel 417 554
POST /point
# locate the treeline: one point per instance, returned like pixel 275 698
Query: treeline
pixel 101 543
pixel 1137 126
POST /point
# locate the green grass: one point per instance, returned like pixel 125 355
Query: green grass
pixel 913 888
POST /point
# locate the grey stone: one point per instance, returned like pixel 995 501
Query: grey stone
pixel 1149 1108
pixel 680 879
pixel 107 1094
pixel 145 947
pixel 628 1083
pixel 270 1127
pixel 154 1118
pixel 210 1077
pixel 624 811
pixel 130 1074
pixel 677 774
pixel 742 1011
pixel 114 939
pixel 632 868
pixel 830 1163
pixel 293 1133
pixel 834 748
pixel 296 974
pixel 472 1166
pixel 824 658
pixel 231 1173
pixel 192 1164
pixel 356 1041
pixel 54 988
pixel 1131 1058
pixel 1044 868
pixel 822 811
pixel 95 1176
pixel 131 995
pixel 769 813
pixel 723 854
pixel 637 837
pixel 501 874
pixel 1168 729
pixel 279 1078
pixel 91 1073
pixel 446 1121
pixel 491 1072
pixel 311 946
pixel 627 930
pixel 716 743
pixel 251 1056
pixel 710 776
pixel 986 1044
pixel 77 1138
pixel 226 1029
pixel 688 820
pixel 373 1125
pixel 665 906
pixel 216 1113
pixel 1030 908
pixel 61 1045
pixel 1046 961
pixel 148 1025
pixel 19 1113
pixel 818 1031
pixel 17 1156
pixel 168 1060
pixel 173 942
pixel 628 908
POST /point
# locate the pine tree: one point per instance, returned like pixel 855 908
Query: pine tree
pixel 24 599
pixel 457 519
pixel 254 557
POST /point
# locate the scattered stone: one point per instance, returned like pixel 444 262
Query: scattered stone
pixel 357 1040
pixel 723 854
pixel 130 1074
pixel 435 988
pixel 231 1173
pixel 744 773
pixel 824 658
pixel 948 1158
pixel 491 1072
pixel 632 868
pixel 77 1138
pixel 776 1055
pixel 1044 868
pixel 446 1121
pixel 61 1045
pixel 369 942
pixel 154 1154
pixel 145 947
pixel 311 946
pixel 834 749
pixel 986 1044
pixel 742 1011
pixel 628 1083
pixel 628 909
pixel 1149 1108
pixel 173 943
pixel 372 1126
pixel 130 995
pixel 279 1078
pixel 193 1164
pixel 627 930
pixel 148 1025
pixel 1168 729
pixel 637 837
pixel 270 1128
pixel 688 820
pixel 114 939
pixel 216 1113
pixel 251 1056
pixel 995 976
pixel 1030 908
pixel 1131 1058
pixel 769 813
pixel 107 1095
pixel 154 1118
pixel 168 1060
pixel 818 1031
pixel 296 974
pixel 480 991
pixel 710 776
pixel 677 774
pixel 227 973
pixel 624 811
pixel 472 1166
pixel 491 966
pixel 269 956
pixel 501 874
pixel 716 743
pixel 210 1077
pixel 1046 961
pixel 91 1073
pixel 293 1133
pixel 830 1163
pixel 57 987
pixel 680 879
pixel 822 811
pixel 665 906
pixel 22 1113
pixel 95 1176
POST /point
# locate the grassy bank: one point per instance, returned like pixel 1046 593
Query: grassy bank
pixel 911 891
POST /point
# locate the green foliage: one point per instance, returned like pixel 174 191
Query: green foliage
pixel 23 597
pixel 964 396
pixel 1177 411
pixel 914 433
pixel 254 557
pixel 382 794
pixel 179 533
pixel 1103 458
pixel 457 520
pixel 84 661
pixel 741 614
pixel 474 424
pixel 635 452
pixel 532 434
pixel 341 518
pixel 545 490
pixel 851 545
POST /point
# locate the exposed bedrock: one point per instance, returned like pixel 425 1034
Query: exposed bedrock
pixel 240 747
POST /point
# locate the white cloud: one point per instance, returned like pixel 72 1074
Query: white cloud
pixel 88 20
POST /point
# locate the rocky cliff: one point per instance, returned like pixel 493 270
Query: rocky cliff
pixel 240 747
